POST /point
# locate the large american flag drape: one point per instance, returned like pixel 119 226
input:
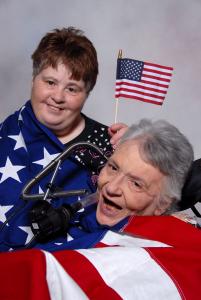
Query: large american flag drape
pixel 153 258
pixel 142 81
pixel 27 146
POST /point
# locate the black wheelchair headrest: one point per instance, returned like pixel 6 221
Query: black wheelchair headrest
pixel 191 192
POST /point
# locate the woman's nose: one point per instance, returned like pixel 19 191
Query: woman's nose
pixel 58 95
pixel 114 185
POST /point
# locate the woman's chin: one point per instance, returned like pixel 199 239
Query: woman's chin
pixel 106 220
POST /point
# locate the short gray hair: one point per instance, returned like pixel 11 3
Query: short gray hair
pixel 166 148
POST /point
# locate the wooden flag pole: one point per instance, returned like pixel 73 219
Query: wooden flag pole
pixel 116 110
pixel 117 99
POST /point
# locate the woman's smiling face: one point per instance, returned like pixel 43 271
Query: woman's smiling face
pixel 57 99
pixel 127 186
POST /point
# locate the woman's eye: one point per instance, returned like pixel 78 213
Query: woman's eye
pixel 112 167
pixel 50 82
pixel 71 90
pixel 137 185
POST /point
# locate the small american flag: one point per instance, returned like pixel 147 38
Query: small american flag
pixel 142 81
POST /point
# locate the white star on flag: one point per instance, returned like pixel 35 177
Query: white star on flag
pixel 68 238
pixel 10 171
pixel 3 210
pixel 19 141
pixel 47 158
pixel 29 232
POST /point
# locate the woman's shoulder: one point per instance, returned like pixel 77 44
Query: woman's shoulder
pixel 94 123
pixel 97 133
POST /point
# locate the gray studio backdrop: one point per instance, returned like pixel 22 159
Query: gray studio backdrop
pixel 166 32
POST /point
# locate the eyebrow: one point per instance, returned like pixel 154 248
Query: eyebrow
pixel 142 181
pixel 50 77
pixel 74 84
pixel 71 83
pixel 110 160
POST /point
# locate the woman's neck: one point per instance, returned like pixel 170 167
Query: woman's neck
pixel 73 131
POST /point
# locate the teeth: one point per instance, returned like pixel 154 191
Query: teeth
pixel 109 202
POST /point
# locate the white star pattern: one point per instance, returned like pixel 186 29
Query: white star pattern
pixel 10 171
pixel 29 232
pixel 47 158
pixel 69 238
pixel 131 69
pixel 40 190
pixel 3 210
pixel 21 158
pixel 19 141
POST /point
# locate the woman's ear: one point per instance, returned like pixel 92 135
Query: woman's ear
pixel 162 206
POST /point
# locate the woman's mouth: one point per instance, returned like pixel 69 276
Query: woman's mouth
pixel 108 212
pixel 55 108
pixel 111 203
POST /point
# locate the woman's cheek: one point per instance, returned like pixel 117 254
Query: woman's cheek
pixel 101 178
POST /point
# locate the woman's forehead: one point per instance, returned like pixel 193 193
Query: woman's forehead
pixel 130 160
